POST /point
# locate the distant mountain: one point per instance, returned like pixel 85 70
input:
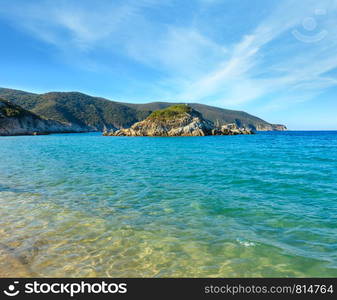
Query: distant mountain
pixel 94 113
pixel 14 120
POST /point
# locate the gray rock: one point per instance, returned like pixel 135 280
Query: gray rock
pixel 178 120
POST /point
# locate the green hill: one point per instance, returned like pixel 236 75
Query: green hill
pixel 171 112
pixel 14 120
pixel 97 113
pixel 10 110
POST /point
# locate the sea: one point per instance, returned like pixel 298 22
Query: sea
pixel 84 205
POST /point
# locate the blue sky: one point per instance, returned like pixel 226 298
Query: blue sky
pixel 274 59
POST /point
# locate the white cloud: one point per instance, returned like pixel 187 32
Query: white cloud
pixel 196 67
pixel 237 80
pixel 180 51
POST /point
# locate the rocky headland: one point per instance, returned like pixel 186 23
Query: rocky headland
pixel 177 120
pixel 14 120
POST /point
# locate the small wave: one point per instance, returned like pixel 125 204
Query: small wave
pixel 245 243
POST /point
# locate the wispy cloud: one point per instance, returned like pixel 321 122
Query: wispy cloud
pixel 195 63
pixel 68 23
pixel 237 79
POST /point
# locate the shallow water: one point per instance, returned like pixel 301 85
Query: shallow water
pixel 230 206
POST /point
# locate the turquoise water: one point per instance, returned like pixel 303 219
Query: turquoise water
pixel 225 206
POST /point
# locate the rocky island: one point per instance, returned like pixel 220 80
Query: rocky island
pixel 177 120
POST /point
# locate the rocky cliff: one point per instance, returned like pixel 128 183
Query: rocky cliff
pixel 177 120
pixel 14 120
pixel 279 127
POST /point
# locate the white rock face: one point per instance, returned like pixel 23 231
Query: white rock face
pixel 16 121
pixel 271 127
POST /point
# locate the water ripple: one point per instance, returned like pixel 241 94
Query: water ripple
pixel 83 205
